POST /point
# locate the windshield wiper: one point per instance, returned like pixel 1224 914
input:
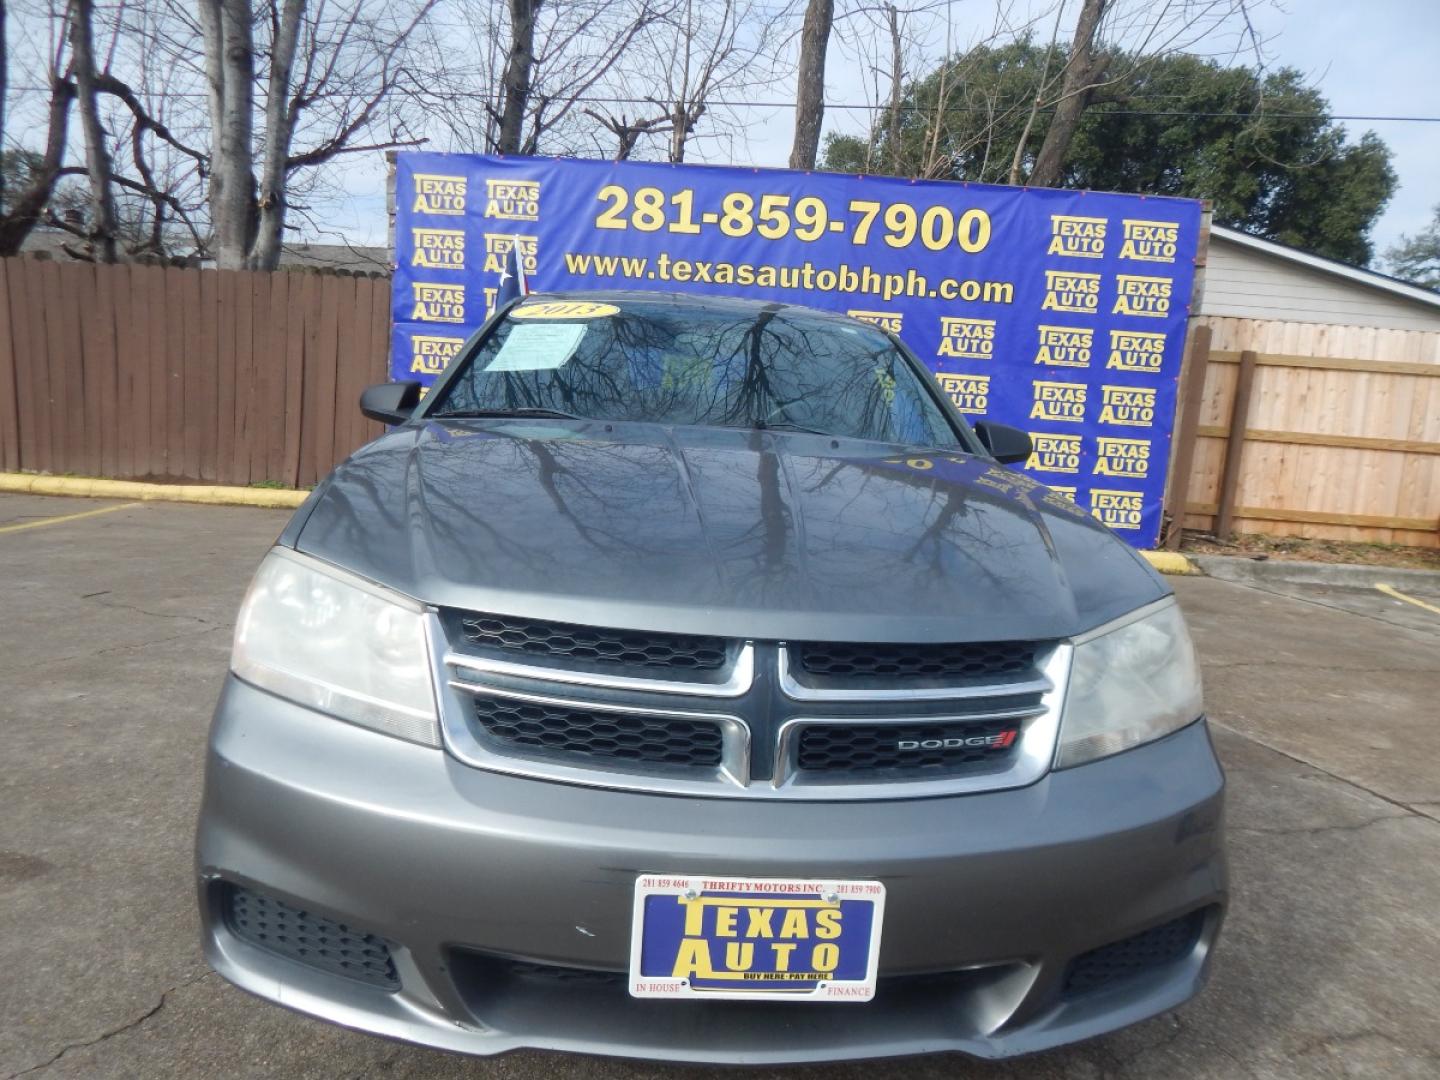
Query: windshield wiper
pixel 472 414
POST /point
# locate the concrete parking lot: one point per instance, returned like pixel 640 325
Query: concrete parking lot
pixel 114 632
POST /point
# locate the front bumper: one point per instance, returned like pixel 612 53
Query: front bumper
pixel 502 894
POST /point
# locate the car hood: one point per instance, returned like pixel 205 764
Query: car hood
pixel 757 534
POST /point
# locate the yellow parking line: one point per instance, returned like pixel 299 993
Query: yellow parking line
pixel 1390 590
pixel 63 518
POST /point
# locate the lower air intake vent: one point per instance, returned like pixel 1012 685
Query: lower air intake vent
pixel 597 735
pixel 975 660
pixel 922 748
pixel 1135 955
pixel 591 644
pixel 308 938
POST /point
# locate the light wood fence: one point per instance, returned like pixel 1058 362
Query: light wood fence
pixel 138 372
pixel 1341 432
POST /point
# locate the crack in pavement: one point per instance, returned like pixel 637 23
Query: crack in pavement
pixel 1341 1038
pixel 1328 606
pixel 1294 666
pixel 1417 810
pixel 1305 830
pixel 112 1032
pixel 120 606
pixel 210 628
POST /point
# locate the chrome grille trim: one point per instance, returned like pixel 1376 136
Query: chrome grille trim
pixel 787 768
pixel 1035 749
pixel 473 669
pixel 585 645
pixel 460 738
pixel 735 735
pixel 799 691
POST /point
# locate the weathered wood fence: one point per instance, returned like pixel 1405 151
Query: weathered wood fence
pixel 139 372
pixel 1306 429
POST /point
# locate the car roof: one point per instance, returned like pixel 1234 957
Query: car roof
pixel 732 305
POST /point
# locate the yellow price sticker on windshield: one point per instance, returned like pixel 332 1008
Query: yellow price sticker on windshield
pixel 564 309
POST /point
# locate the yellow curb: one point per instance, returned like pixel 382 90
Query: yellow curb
pixel 1170 562
pixel 209 494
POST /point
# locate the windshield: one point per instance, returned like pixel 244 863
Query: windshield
pixel 666 363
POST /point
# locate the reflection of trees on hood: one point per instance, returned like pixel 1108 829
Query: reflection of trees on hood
pixel 748 518
pixel 935 521
pixel 599 489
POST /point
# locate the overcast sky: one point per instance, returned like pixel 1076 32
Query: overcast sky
pixel 1368 57
pixel 1376 58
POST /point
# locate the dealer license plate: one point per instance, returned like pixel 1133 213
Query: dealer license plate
pixel 756 939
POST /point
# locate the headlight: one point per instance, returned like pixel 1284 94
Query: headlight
pixel 334 642
pixel 1129 685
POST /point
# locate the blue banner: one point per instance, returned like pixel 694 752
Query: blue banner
pixel 1062 312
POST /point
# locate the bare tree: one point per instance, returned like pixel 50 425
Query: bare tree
pixel 4 87
pixel 517 78
pixel 1078 81
pixel 897 80
pixel 146 81
pixel 281 112
pixel 230 72
pixel 686 60
pixel 97 150
pixel 1144 32
pixel 25 206
pixel 1017 160
pixel 810 83
pixel 515 88
pixel 884 41
pixel 627 132
pixel 330 73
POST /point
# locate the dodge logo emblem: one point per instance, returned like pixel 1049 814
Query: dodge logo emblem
pixel 961 742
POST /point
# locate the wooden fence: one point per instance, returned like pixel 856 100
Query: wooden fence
pixel 1335 433
pixel 229 377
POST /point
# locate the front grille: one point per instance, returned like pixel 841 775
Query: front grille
pixel 594 645
pixel 590 735
pixel 973 660
pixel 861 747
pixel 308 938
pixel 555 973
pixel 732 716
pixel 1135 955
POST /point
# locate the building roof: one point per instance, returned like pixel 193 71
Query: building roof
pixel 357 258
pixel 1368 278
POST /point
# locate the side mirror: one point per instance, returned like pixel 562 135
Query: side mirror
pixel 391 402
pixel 1006 444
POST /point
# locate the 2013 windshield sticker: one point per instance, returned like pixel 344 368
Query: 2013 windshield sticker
pixel 564 309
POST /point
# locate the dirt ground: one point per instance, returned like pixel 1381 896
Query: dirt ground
pixel 1301 549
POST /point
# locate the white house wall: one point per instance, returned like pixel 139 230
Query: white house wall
pixel 1247 284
